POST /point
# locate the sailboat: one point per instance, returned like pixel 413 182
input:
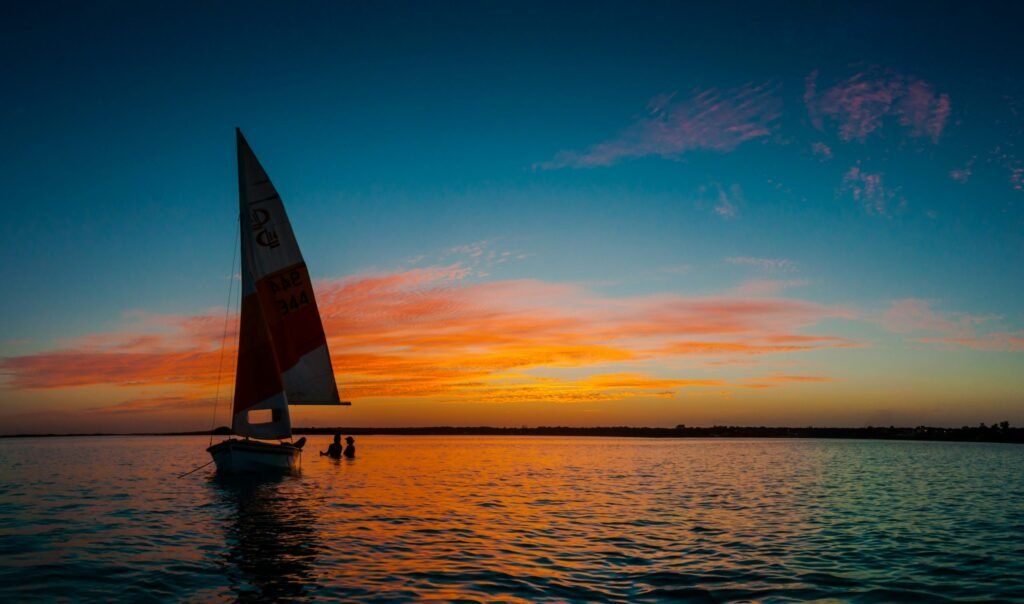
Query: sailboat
pixel 282 349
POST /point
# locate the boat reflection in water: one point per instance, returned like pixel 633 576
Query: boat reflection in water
pixel 272 543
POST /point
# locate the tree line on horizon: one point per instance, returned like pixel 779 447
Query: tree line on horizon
pixel 996 432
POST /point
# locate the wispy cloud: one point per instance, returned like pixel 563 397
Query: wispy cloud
pixel 995 341
pixel 481 257
pixel 601 387
pixel 963 174
pixel 869 190
pixel 799 378
pixel 757 347
pixel 1015 168
pixel 922 110
pixel 916 318
pixel 859 105
pixel 428 332
pixel 678 269
pixel 725 202
pixel 709 120
pixel 773 265
pixel 911 315
pixel 767 287
pixel 725 205
pixel 1004 156
pixel 156 404
pixel 1017 177
pixel 473 250
pixel 773 381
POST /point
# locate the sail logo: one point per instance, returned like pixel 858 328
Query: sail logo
pixel 264 237
pixel 267 238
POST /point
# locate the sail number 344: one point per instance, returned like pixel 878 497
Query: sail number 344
pixel 294 292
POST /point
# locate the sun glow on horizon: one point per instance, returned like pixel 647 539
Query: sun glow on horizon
pixel 441 337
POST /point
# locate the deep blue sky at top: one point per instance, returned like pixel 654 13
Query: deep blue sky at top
pixel 394 130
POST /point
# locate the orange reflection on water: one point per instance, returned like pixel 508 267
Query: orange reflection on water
pixel 518 518
pixel 512 519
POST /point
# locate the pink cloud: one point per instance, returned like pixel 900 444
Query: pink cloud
pixel 1003 341
pixel 1017 177
pixel 923 111
pixel 1013 165
pixel 710 120
pixel 822 150
pixel 961 175
pixel 868 189
pixel 917 317
pixel 859 105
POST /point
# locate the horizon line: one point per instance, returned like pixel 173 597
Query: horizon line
pixel 680 430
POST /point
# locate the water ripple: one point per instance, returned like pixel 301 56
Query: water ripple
pixel 518 520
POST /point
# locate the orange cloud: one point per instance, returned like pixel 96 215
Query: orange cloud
pixel 800 378
pixel 705 348
pixel 430 333
pixel 90 367
pixel 157 404
pixel 601 387
pixel 773 381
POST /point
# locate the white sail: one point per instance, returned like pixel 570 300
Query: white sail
pixel 258 388
pixel 283 356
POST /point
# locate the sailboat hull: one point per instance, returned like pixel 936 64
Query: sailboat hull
pixel 235 456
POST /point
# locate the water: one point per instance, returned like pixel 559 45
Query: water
pixel 517 519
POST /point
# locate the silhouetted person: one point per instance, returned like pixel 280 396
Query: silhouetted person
pixel 334 450
pixel 350 450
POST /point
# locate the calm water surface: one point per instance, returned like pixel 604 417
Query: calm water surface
pixel 517 519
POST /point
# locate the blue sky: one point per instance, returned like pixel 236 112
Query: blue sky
pixel 592 143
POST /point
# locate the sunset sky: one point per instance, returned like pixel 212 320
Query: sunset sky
pixel 523 213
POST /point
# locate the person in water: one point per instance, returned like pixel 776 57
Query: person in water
pixel 334 450
pixel 350 450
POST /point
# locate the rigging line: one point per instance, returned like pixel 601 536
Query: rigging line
pixel 194 469
pixel 224 336
pixel 233 359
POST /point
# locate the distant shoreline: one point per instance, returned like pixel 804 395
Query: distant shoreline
pixel 997 433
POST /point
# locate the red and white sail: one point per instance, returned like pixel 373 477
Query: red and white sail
pixel 282 349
